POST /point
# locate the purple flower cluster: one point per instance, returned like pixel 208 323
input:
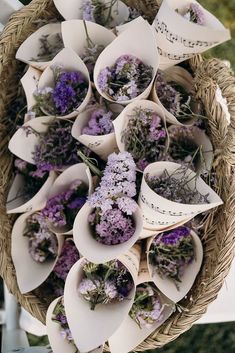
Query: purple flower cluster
pixel 69 92
pixel 56 148
pixel 68 257
pixel 62 209
pixel 59 317
pixel 105 283
pixel 145 137
pixel 88 10
pixel 43 244
pixel 126 79
pixel 147 307
pixel 171 252
pixel 195 14
pixel 100 123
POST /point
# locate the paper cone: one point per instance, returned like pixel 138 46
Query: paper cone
pixel 147 233
pixel 94 251
pixel 160 213
pixel 29 273
pixel 16 203
pixel 104 320
pixel 23 144
pixel 63 182
pixel 183 78
pixel 178 39
pixel 167 286
pixel 30 48
pixel 123 27
pixel 71 62
pixel 102 145
pixel 75 37
pixel 129 43
pixel 129 335
pixel 73 9
pixel 203 141
pixel 29 82
pixel 121 122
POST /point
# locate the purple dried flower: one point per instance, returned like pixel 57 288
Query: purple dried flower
pixel 68 257
pixel 194 13
pixel 100 123
pixel 59 317
pixel 88 11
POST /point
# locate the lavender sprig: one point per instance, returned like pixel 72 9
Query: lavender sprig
pixel 126 79
pixel 171 252
pixel 50 46
pixel 105 283
pixel 145 137
pixel 99 12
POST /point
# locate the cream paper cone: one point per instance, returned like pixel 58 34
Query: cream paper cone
pixel 203 142
pixel 15 199
pixel 123 27
pixel 183 78
pixel 166 285
pixel 22 144
pixel 147 233
pixel 160 213
pixel 90 248
pixel 72 10
pixel 75 37
pixel 178 39
pixel 121 122
pixel 29 82
pixel 57 343
pixel 70 61
pixel 129 335
pixel 29 273
pixel 63 182
pixel 30 48
pixel 102 145
pixel 105 319
pixel 129 43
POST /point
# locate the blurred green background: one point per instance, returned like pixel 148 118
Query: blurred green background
pixel 212 338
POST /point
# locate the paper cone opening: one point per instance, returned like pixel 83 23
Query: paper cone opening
pixel 91 248
pixel 30 274
pixel 166 285
pixel 30 48
pixel 82 320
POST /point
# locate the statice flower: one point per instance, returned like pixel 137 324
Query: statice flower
pixel 98 11
pixel 177 186
pixel 195 14
pixel 145 137
pixel 50 46
pixel 171 252
pixel 56 148
pixel 62 209
pixel 100 123
pixel 70 90
pixel 60 318
pixel 68 257
pixel 126 79
pixel 88 10
pixel 147 307
pixel 106 283
pixel 43 244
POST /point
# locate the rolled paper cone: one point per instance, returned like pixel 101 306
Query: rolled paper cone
pixel 16 199
pixel 75 36
pixel 102 145
pixel 70 61
pixel 143 275
pixel 183 78
pixel 73 9
pixel 104 320
pixel 123 27
pixel 160 213
pixel 179 39
pixel 90 248
pixel 129 335
pixel 203 142
pixel 166 285
pixel 22 144
pixel 127 43
pixel 131 260
pixel 30 48
pixel 147 233
pixel 29 273
pixel 29 82
pixel 57 342
pixel 121 122
pixel 63 182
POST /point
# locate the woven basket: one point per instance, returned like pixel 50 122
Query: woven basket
pixel 219 229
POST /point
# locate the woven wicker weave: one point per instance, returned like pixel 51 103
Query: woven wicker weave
pixel 219 235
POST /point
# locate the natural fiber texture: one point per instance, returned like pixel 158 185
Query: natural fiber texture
pixel 219 228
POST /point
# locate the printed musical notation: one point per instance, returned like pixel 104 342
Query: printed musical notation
pixel 175 38
pixel 174 56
